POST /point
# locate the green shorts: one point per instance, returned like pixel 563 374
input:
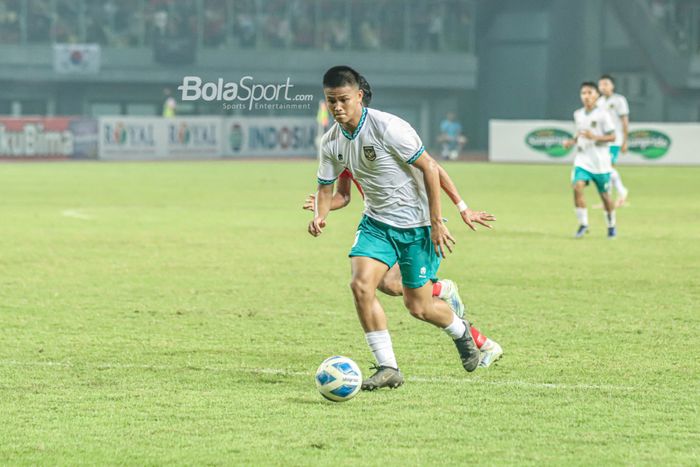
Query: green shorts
pixel 614 153
pixel 412 248
pixel 602 181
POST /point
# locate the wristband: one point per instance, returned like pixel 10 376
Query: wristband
pixel 462 206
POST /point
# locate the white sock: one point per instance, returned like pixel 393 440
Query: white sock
pixel 380 344
pixel 617 183
pixel 610 218
pixel 582 216
pixel 457 328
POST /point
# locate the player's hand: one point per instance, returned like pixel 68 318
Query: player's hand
pixel 568 143
pixel 441 238
pixel 310 203
pixel 624 147
pixel 316 226
pixel 479 217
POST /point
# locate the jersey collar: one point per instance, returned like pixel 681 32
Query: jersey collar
pixel 359 126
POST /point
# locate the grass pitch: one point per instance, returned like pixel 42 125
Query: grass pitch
pixel 175 313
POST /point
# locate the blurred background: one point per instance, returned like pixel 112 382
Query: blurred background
pixel 481 59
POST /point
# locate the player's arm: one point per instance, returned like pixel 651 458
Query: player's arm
pixel 324 195
pixel 625 119
pixel 567 143
pixel 328 172
pixel 607 137
pixel 341 197
pixel 440 236
pixel 604 138
pixel 468 216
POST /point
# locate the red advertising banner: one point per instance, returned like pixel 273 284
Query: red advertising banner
pixel 48 138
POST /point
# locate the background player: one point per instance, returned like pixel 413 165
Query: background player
pixel 619 110
pixel 594 132
pixel 451 137
pixel 402 219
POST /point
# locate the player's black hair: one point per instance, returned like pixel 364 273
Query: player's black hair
pixel 590 84
pixel 339 76
pixel 608 77
pixel 366 91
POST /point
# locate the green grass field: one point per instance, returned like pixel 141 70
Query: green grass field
pixel 175 313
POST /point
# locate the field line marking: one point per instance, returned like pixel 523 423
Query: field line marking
pixel 75 214
pixel 309 374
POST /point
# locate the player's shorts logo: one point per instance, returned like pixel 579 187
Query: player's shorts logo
pixel 370 155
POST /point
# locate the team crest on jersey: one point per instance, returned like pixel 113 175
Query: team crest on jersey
pixel 594 123
pixel 340 157
pixel 370 155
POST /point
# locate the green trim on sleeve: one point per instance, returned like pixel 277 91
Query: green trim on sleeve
pixel 323 181
pixel 415 157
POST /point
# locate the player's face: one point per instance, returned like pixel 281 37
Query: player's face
pixel 606 87
pixel 345 103
pixel 588 97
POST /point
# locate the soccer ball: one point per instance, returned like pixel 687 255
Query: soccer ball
pixel 338 379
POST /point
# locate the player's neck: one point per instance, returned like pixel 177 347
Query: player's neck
pixel 352 124
pixel 588 109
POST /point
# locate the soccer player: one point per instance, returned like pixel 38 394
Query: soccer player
pixel 594 132
pixel 619 110
pixel 390 283
pixel 444 289
pixel 402 221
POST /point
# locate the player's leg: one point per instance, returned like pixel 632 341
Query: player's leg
pixel 419 264
pixel 602 182
pixel 445 289
pixel 580 178
pixel 422 305
pixel 391 282
pixel 616 179
pixel 622 191
pixel 366 274
pixel 491 351
pixel 448 291
pixel 371 255
pixel 445 153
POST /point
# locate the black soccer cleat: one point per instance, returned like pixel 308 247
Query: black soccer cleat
pixel 582 230
pixel 468 352
pixel 384 377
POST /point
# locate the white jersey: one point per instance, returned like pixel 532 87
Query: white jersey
pixel 591 156
pixel 379 155
pixel 617 105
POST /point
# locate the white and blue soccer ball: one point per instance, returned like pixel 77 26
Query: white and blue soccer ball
pixel 338 379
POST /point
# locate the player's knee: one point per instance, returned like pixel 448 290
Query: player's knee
pixel 361 288
pixel 416 309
